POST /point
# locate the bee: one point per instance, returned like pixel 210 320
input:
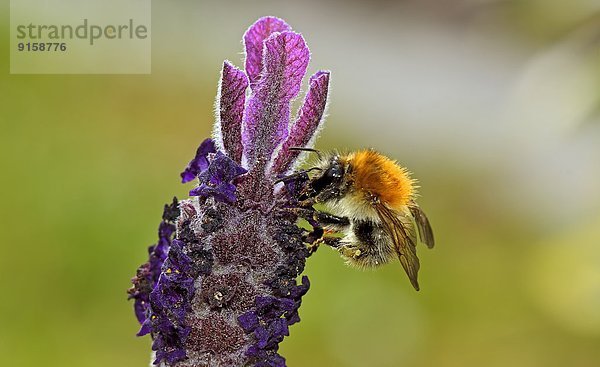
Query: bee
pixel 372 200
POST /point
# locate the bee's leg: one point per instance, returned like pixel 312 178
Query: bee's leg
pixel 313 239
pixel 319 219
pixel 316 218
pixel 321 197
pixel 316 237
pixel 332 220
pixel 310 237
pixel 313 246
pixel 333 242
pixel 350 251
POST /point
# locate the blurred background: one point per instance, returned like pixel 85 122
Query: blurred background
pixel 493 105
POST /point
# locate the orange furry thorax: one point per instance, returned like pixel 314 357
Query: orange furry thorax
pixel 375 175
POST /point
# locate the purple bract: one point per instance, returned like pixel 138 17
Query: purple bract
pixel 220 288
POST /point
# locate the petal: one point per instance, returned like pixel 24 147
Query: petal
pixel 140 307
pixel 171 211
pixel 248 321
pixel 223 192
pixel 227 169
pixel 230 109
pixel 305 129
pixel 253 41
pixel 221 169
pixel 267 115
pixel 279 328
pixel 200 161
pixel 145 329
pixel 262 336
pixel 264 303
pixel 253 351
pixel 276 361
pixel 293 318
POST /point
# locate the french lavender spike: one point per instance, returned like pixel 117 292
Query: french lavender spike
pixel 220 286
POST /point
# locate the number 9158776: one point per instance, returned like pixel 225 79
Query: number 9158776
pixel 42 46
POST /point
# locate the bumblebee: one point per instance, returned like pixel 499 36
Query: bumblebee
pixel 372 200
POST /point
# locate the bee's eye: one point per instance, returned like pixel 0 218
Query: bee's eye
pixel 335 171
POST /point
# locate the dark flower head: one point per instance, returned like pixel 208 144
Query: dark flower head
pixel 220 287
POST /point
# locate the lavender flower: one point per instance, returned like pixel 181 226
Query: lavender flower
pixel 220 288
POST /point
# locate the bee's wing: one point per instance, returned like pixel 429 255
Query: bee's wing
pixel 403 238
pixel 425 232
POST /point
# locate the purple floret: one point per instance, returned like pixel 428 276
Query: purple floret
pixel 170 302
pixel 200 161
pixel 248 321
pixel 148 274
pixel 216 180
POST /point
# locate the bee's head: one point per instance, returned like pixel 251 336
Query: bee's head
pixel 331 174
pixel 334 169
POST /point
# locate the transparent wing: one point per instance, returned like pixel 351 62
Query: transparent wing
pixel 425 232
pixel 404 240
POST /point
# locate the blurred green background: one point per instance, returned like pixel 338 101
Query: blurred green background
pixel 494 105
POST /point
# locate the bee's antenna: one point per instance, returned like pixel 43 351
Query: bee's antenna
pixel 298 174
pixel 318 153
